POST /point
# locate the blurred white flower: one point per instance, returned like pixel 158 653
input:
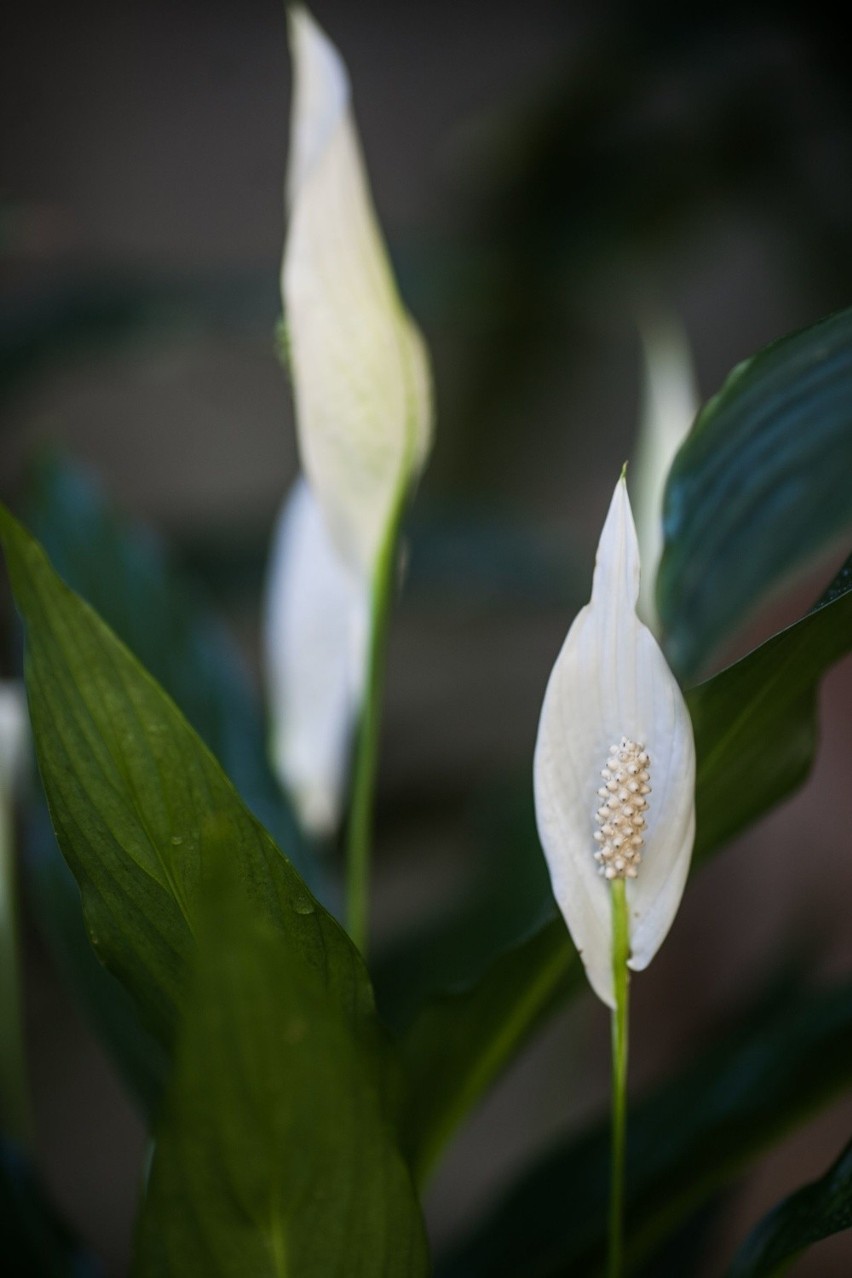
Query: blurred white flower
pixel 14 736
pixel 670 402
pixel 359 367
pixel 315 633
pixel 614 767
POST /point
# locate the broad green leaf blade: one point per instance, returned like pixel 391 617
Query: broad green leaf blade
pixel 140 805
pixel 460 1043
pixel 756 722
pixel 125 574
pixel 759 488
pixel 507 897
pixel 812 1213
pixel 276 1154
pixel 755 738
pixel 687 1140
pixel 34 1240
pixel 141 1059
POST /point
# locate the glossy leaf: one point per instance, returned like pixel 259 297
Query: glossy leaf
pixel 759 488
pixel 276 1154
pixel 141 1059
pixel 687 1140
pixel 461 1042
pixel 124 572
pixel 756 722
pixel 761 710
pixel 140 806
pixel 806 1217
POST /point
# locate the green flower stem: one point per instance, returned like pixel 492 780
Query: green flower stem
pixel 620 955
pixel 15 1111
pixel 360 831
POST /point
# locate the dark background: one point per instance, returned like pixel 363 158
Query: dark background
pixel 544 173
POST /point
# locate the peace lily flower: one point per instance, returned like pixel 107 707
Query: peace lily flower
pixel 359 367
pixel 14 736
pixel 614 767
pixel 670 402
pixel 315 638
pixel 363 415
pixel 14 755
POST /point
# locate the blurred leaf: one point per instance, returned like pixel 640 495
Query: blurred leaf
pixel 755 734
pixel 124 573
pixel 81 318
pixel 275 1154
pixel 806 1217
pixel 686 1141
pixel 140 806
pixel 33 1238
pixel 507 896
pixel 460 1043
pixel 141 1059
pixel 759 488
pixel 756 722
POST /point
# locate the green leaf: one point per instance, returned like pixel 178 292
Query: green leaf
pixel 687 1140
pixel 125 574
pixel 141 1059
pixel 759 488
pixel 756 722
pixel 33 1237
pixel 459 1043
pixel 812 1213
pixel 276 1154
pixel 123 571
pixel 755 733
pixel 140 806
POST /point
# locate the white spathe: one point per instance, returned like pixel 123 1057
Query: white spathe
pixel 670 402
pixel 611 681
pixel 14 736
pixel 359 366
pixel 315 631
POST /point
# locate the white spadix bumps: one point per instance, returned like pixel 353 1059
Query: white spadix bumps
pixel 615 767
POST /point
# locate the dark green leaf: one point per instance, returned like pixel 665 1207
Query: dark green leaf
pixel 507 897
pixel 755 732
pixel 756 722
pixel 686 1141
pixel 140 1058
pixel 140 805
pixel 276 1154
pixel 811 1214
pixel 460 1043
pixel 760 487
pixel 124 573
pixel 34 1241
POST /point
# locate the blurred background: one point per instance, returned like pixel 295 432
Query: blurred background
pixel 547 174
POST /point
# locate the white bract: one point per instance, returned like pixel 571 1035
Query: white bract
pixel 363 416
pixel 14 736
pixel 359 367
pixel 315 648
pixel 670 402
pixel 615 767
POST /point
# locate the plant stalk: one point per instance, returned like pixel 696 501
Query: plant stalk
pixel 360 829
pixel 620 955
